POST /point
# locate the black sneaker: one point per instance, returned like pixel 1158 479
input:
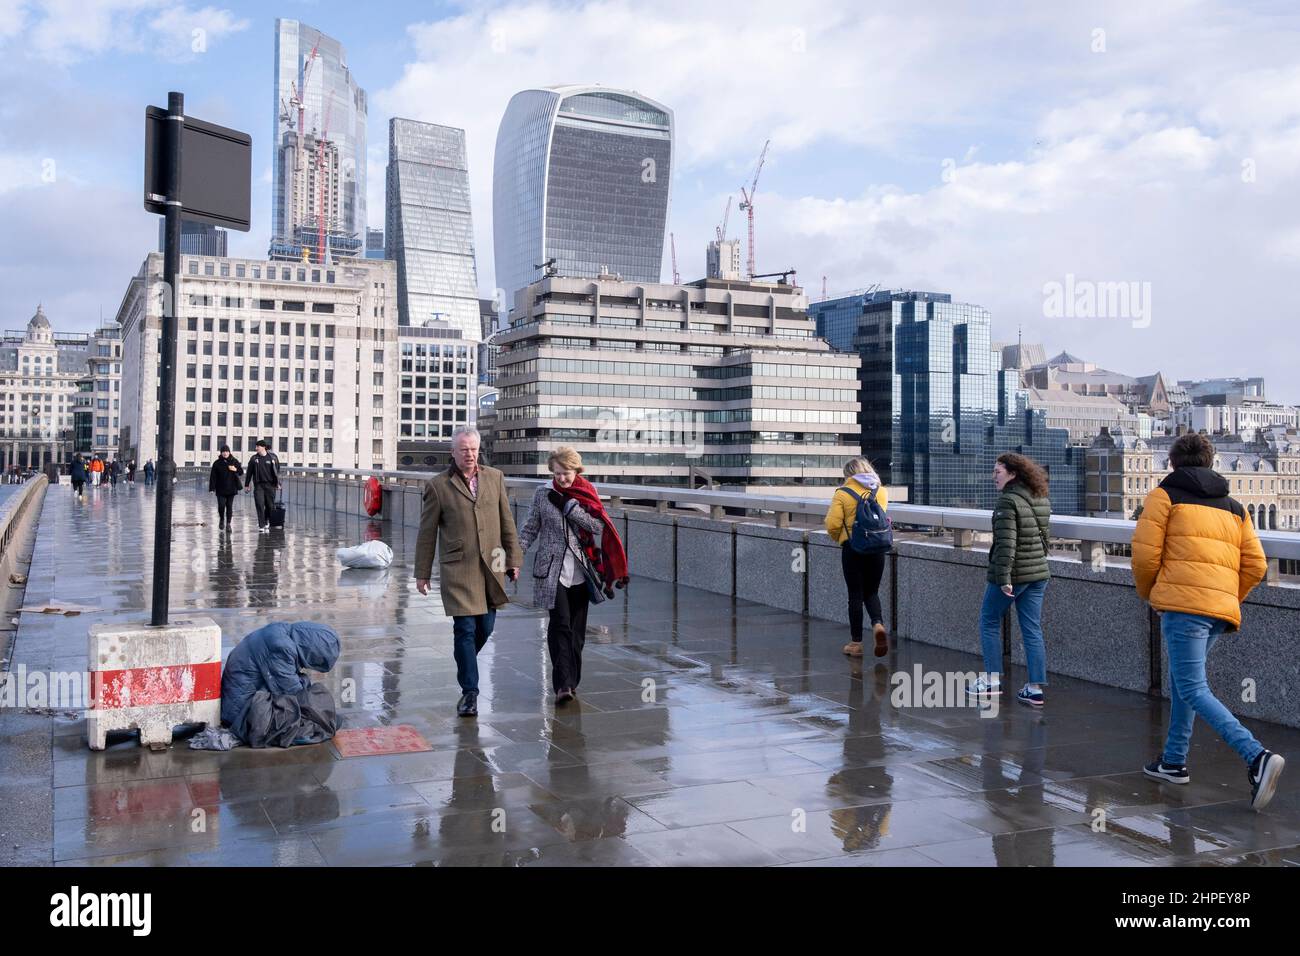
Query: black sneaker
pixel 1264 773
pixel 1171 773
pixel 468 705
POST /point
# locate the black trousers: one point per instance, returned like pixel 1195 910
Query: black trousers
pixel 862 573
pixel 225 505
pixel 567 634
pixel 264 498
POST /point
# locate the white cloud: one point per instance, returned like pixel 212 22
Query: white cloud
pixel 66 31
pixel 1123 165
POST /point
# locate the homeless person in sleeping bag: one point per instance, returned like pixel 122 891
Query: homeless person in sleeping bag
pixel 265 697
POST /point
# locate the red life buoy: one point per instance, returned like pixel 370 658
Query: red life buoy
pixel 374 497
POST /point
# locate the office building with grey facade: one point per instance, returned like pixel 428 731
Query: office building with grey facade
pixel 665 384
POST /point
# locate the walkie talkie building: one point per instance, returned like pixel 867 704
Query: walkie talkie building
pixel 581 176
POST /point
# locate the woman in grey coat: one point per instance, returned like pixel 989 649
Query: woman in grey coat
pixel 559 585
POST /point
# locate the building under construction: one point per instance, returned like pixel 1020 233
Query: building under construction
pixel 319 170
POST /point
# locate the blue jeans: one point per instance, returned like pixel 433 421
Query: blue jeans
pixel 469 634
pixel 1028 599
pixel 1189 638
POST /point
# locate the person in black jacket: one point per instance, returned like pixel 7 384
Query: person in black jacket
pixel 224 483
pixel 263 476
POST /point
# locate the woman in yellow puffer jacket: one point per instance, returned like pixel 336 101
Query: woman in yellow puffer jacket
pixel 862 572
pixel 1195 558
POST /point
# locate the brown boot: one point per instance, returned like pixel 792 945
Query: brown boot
pixel 853 648
pixel 882 640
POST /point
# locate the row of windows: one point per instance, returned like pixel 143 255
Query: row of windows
pixel 326 422
pixel 681 393
pixel 426 431
pixel 268 397
pixel 243 271
pixel 255 350
pixel 643 434
pixel 434 414
pixel 721 416
pixel 311 445
pixel 728 460
pixel 672 370
pixel 433 351
pixel 260 328
pixel 417 399
pixel 191 371
pixel 784 393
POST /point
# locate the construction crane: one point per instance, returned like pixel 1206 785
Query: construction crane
pixel 672 244
pixel 297 102
pixel 321 179
pixel 783 275
pixel 722 229
pixel 747 204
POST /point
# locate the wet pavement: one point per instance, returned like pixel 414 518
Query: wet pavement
pixel 707 731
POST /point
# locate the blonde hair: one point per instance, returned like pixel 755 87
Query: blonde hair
pixel 567 458
pixel 858 466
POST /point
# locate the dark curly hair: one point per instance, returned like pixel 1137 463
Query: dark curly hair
pixel 1027 471
pixel 1192 449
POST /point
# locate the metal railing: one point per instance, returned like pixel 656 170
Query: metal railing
pixel 961 522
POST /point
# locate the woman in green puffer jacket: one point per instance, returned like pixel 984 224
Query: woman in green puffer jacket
pixel 1018 574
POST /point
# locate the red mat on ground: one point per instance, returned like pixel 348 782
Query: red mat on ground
pixel 372 741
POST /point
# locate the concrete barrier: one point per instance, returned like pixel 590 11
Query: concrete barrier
pixel 152 679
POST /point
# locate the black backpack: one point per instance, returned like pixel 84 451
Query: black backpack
pixel 873 532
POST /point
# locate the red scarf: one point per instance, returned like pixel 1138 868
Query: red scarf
pixel 610 559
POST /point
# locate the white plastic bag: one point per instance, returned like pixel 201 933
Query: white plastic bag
pixel 372 554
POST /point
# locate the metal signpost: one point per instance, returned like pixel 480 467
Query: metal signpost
pixel 192 170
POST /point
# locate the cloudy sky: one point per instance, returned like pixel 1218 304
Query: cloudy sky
pixel 983 149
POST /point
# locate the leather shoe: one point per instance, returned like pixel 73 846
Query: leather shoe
pixel 468 706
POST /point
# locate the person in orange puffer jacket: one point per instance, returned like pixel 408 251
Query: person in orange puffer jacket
pixel 1195 558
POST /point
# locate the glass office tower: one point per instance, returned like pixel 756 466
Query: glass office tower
pixel 333 108
pixel 428 228
pixel 197 238
pixel 581 176
pixel 937 409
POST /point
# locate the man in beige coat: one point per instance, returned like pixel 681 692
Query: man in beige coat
pixel 467 504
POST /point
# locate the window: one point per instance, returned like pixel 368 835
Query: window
pixel 323 307
pixel 289 306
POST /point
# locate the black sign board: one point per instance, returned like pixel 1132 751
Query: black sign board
pixel 216 171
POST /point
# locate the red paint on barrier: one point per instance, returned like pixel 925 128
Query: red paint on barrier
pixel 150 686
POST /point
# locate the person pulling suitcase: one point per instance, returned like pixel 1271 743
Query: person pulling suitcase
pixel 262 476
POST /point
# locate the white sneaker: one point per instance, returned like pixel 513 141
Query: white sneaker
pixel 984 687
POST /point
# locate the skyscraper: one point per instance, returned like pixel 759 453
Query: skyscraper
pixel 582 177
pixel 429 232
pixel 318 170
pixel 197 238
pixel 937 408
